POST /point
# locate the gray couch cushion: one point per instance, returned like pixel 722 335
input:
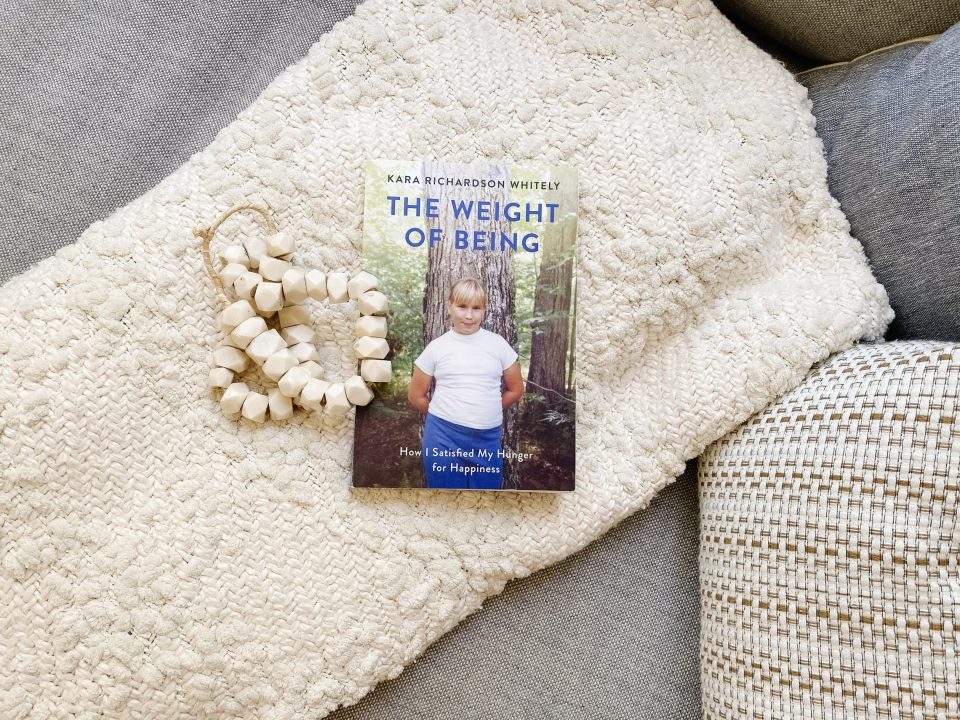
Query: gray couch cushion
pixel 100 101
pixel 890 125
pixel 828 31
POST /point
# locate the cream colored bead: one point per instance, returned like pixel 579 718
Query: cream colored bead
pixel 313 393
pixel 255 407
pixel 358 392
pixel 305 352
pixel 278 363
pixel 245 285
pixel 256 249
pixel 337 288
pixel 360 283
pixel 372 325
pixel 371 347
pixel 294 287
pixel 235 254
pixel 231 358
pixel 244 333
pixel 220 377
pixel 233 397
pixel 336 399
pixel 293 381
pixel 230 273
pixel 294 315
pixel 269 296
pixel 372 302
pixel 234 314
pixel 273 268
pixel 296 334
pixel 316 284
pixel 313 367
pixel 265 345
pixel 280 243
pixel 281 407
pixel 376 370
pixel 228 341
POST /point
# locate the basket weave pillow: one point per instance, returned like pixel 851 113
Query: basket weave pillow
pixel 830 547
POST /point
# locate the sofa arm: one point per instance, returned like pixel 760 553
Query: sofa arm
pixel 830 544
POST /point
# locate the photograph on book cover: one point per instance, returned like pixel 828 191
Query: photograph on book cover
pixel 479 262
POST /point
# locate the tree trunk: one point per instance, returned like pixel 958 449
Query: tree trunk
pixel 550 343
pixel 494 270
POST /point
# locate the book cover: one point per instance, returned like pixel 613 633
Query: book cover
pixel 478 261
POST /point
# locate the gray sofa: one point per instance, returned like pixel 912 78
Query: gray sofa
pixel 102 102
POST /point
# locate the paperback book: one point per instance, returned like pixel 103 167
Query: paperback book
pixel 479 263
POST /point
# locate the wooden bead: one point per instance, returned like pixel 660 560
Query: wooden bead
pixel 269 296
pixel 220 377
pixel 234 314
pixel 265 345
pixel 293 381
pixel 357 391
pixel 313 393
pixel 278 364
pixel 296 334
pixel 294 287
pixel 256 249
pixel 313 368
pixel 230 273
pixel 360 283
pixel 228 341
pixel 272 268
pixel 371 347
pixel 255 407
pixel 233 397
pixel 294 315
pixel 336 399
pixel 281 407
pixel 235 254
pixel 231 358
pixel 372 302
pixel 337 288
pixel 376 370
pixel 372 325
pixel 244 333
pixel 280 243
pixel 305 352
pixel 245 285
pixel 316 284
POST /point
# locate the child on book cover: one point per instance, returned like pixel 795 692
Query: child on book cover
pixel 477 378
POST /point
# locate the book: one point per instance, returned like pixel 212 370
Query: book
pixel 478 261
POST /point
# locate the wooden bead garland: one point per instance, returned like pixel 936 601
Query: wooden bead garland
pixel 268 324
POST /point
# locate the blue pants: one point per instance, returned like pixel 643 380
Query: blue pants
pixel 460 457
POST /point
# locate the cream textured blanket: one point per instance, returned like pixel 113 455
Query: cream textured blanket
pixel 160 560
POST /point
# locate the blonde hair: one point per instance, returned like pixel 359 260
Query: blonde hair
pixel 468 291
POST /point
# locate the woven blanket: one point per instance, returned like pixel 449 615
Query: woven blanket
pixel 158 559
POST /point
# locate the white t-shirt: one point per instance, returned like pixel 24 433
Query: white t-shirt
pixel 468 369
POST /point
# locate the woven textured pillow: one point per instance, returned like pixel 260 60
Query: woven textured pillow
pixel 830 547
pixel 161 560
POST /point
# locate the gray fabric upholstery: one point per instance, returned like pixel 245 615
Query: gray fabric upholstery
pixel 99 103
pixel 611 632
pixel 828 31
pixel 890 125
